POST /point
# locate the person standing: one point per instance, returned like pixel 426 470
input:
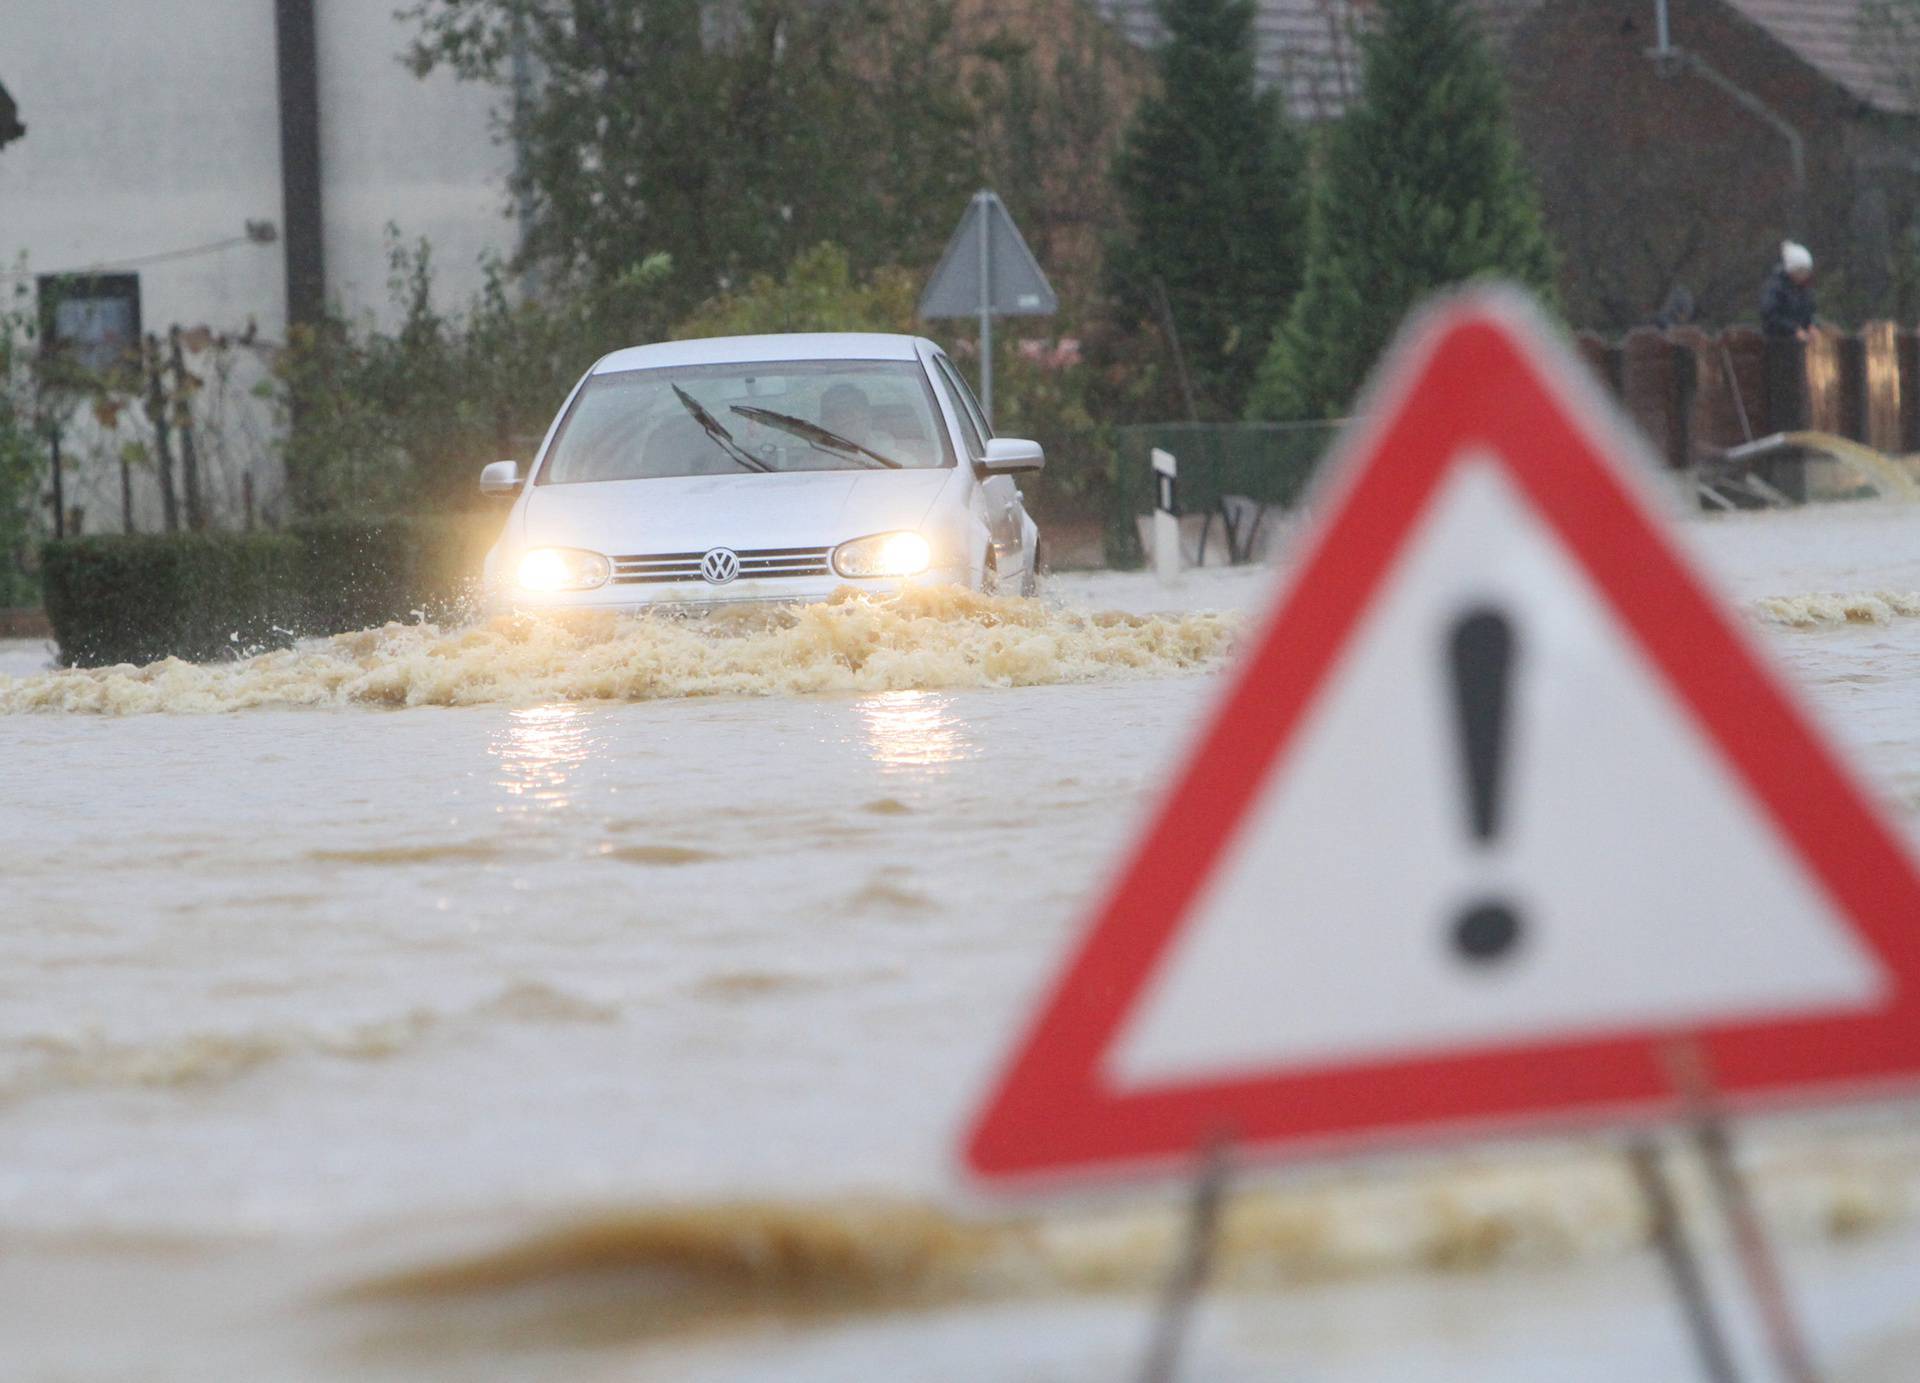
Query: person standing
pixel 1786 302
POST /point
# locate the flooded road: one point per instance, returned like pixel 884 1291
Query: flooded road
pixel 403 948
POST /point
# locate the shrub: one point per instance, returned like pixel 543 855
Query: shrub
pixel 139 598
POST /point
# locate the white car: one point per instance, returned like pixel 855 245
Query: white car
pixel 763 468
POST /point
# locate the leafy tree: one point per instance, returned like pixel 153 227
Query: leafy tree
pixel 404 420
pixel 729 136
pixel 818 292
pixel 1211 176
pixel 1422 187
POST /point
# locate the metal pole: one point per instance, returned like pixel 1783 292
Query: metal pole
pixel 1714 1137
pixel 1683 1268
pixel 984 199
pixel 1191 1273
pixel 1660 25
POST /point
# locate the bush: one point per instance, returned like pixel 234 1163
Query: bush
pixel 201 596
pixel 139 598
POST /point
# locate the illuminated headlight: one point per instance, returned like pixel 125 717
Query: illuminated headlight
pixel 884 554
pixel 563 569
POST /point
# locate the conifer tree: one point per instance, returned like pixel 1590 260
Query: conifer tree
pixel 1211 177
pixel 1422 187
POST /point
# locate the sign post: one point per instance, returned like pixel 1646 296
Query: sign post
pixel 987 270
pixel 1166 516
pixel 1500 805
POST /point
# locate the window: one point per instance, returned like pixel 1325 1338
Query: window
pixel 90 323
pixel 943 373
pixel 974 410
pixel 797 415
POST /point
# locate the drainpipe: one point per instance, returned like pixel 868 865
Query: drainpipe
pixel 1672 60
pixel 299 80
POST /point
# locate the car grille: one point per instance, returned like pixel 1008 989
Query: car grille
pixel 755 563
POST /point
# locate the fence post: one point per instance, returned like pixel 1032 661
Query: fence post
pixel 1883 421
pixel 1907 352
pixel 1656 384
pixel 1744 353
pixel 1850 387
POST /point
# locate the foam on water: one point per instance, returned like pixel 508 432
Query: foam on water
pixel 1826 609
pixel 919 640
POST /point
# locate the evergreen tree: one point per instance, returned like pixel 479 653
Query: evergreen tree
pixel 1211 177
pixel 1422 187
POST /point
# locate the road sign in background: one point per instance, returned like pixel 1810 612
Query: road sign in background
pixel 988 271
pixel 1500 805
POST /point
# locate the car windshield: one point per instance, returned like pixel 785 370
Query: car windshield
pixel 801 415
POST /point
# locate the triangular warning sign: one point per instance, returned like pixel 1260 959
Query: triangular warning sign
pixel 1500 800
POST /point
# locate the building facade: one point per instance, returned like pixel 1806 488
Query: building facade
pixel 196 161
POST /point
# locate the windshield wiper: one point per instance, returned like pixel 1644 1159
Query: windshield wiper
pixel 814 433
pixel 721 437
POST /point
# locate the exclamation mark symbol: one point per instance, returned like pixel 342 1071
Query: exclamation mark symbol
pixel 1481 657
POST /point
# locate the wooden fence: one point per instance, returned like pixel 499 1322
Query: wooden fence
pixel 1697 394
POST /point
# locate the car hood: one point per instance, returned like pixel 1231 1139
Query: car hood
pixel 696 512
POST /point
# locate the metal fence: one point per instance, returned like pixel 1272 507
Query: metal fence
pixel 1268 463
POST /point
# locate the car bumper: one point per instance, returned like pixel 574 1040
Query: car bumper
pixel 785 590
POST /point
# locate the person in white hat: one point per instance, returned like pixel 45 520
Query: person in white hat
pixel 1786 303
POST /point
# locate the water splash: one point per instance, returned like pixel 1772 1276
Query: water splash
pixel 1834 608
pixel 922 639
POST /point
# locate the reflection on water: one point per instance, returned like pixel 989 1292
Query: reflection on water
pixel 913 729
pixel 538 750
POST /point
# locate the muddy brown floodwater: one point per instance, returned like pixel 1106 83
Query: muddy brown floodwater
pixel 605 996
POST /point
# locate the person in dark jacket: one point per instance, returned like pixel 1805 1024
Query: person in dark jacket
pixel 1786 303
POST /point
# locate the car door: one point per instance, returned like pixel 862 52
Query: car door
pixel 1004 502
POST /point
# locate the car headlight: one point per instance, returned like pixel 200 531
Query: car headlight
pixel 884 554
pixel 563 569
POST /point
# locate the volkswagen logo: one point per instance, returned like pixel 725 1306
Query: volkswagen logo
pixel 720 566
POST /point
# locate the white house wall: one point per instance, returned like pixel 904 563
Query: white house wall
pixel 154 126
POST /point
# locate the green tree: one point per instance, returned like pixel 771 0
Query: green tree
pixel 1211 176
pixel 1422 187
pixel 728 136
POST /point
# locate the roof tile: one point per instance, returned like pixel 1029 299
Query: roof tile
pixel 1307 45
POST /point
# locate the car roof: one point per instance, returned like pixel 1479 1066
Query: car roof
pixel 731 350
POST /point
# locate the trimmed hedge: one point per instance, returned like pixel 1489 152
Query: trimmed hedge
pixel 140 598
pixel 200 596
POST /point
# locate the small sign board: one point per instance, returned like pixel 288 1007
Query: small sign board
pixel 987 267
pixel 1500 803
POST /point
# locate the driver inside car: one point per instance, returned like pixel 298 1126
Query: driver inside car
pixel 845 409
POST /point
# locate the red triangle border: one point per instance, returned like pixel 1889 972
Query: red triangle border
pixel 1479 376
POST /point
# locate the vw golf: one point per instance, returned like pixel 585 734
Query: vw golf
pixel 763 468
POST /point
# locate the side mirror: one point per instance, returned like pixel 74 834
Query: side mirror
pixel 1005 454
pixel 501 478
